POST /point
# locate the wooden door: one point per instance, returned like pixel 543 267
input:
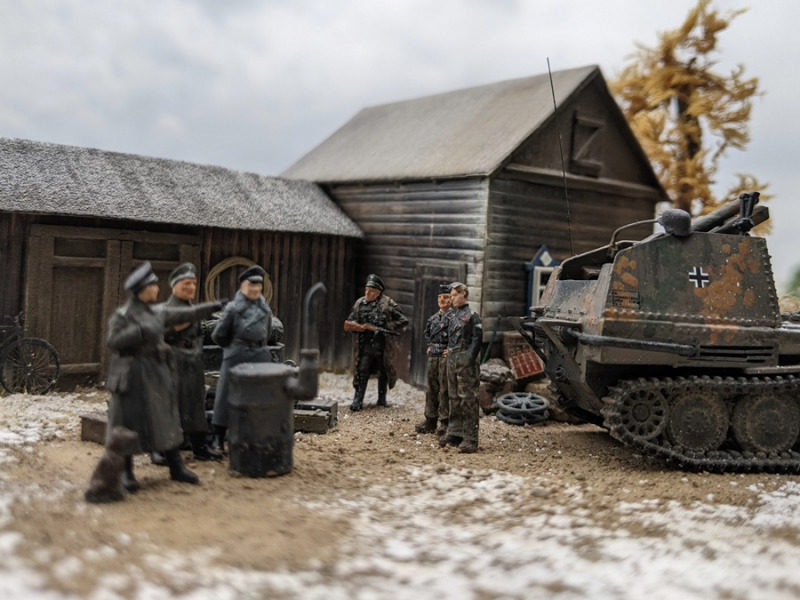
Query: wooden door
pixel 428 278
pixel 75 279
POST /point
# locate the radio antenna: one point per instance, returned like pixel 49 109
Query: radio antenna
pixel 561 153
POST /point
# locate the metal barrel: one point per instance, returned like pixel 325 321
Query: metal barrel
pixel 716 218
pixel 261 404
pixel 261 419
pixel 720 220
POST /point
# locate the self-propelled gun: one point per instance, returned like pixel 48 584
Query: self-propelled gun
pixel 676 343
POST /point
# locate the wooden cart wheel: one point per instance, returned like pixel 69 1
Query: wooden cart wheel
pixel 224 265
pixel 30 366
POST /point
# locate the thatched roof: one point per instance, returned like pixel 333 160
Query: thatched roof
pixel 467 132
pixel 52 179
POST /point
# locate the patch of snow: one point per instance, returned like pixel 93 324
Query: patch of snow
pixel 455 534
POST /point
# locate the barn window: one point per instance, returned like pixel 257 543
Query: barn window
pixel 586 146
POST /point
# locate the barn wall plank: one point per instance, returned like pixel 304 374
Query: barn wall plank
pixel 294 262
pixel 407 224
pixel 421 221
pixel 523 216
pixel 13 230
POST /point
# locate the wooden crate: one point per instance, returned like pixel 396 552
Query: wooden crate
pixel 526 364
pixel 520 357
pixel 311 421
pixel 93 427
pixel 315 416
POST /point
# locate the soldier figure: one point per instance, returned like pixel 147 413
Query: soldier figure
pixel 186 340
pixel 243 331
pixel 464 339
pixel 141 378
pixel 437 404
pixel 374 317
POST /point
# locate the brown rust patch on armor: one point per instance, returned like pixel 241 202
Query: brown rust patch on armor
pixel 727 289
pixel 625 278
pixel 722 335
pixel 630 280
pixel 749 298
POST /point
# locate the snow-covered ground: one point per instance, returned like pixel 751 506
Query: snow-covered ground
pixel 460 534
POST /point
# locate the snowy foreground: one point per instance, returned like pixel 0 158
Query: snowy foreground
pixel 405 543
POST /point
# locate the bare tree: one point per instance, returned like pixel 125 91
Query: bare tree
pixel 684 114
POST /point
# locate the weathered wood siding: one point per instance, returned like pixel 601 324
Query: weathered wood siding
pixel 12 242
pixel 589 139
pixel 410 225
pixel 294 262
pixel 523 216
pixel 608 184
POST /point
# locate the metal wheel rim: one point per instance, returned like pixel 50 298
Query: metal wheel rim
pixel 644 413
pixel 766 423
pixel 698 421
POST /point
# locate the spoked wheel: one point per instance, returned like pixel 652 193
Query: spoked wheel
pixel 522 408
pixel 698 421
pixel 30 366
pixel 644 413
pixel 522 403
pixel 766 423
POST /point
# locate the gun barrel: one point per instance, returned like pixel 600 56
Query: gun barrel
pixel 760 214
pixel 719 218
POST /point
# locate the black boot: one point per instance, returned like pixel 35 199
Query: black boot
pixel 177 470
pixel 358 400
pixel 128 480
pixel 382 385
pixel 358 397
pixel 427 426
pixel 219 439
pixel 200 447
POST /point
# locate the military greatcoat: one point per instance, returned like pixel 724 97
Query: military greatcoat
pixel 243 331
pixel 140 378
pixel 187 346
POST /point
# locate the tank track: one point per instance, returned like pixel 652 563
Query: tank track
pixel 728 457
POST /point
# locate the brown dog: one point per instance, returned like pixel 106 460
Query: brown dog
pixel 106 482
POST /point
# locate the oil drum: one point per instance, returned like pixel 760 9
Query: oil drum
pixel 261 419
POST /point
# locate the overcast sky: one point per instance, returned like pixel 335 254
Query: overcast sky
pixel 255 84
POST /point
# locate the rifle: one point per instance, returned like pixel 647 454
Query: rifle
pixel 376 329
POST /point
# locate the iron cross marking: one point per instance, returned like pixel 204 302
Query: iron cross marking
pixel 699 277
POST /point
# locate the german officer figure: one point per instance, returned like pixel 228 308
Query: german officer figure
pixel 243 331
pixel 186 340
pixel 141 374
pixel 374 317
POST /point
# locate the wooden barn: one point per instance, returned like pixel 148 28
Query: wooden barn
pixel 75 221
pixel 469 185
